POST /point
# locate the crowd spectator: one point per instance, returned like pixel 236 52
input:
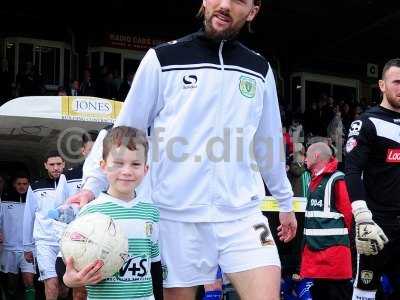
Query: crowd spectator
pixel 5 82
pixel 29 81
pixel 125 86
pixel 358 111
pixel 74 88
pixel 117 81
pixel 327 113
pixel 312 117
pixel 288 142
pixel 346 117
pixel 335 128
pixel 2 185
pixel 61 91
pixel 88 86
pixel 296 131
pixel 106 88
pixel 297 172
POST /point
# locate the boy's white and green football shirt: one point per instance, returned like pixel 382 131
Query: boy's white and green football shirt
pixel 139 221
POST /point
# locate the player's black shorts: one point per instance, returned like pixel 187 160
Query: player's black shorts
pixel 370 268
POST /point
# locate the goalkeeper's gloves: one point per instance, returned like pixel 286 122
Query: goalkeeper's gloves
pixel 370 238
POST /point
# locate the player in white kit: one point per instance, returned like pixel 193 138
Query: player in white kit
pixel 12 259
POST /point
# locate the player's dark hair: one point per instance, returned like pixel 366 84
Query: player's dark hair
pixel 395 62
pixel 127 136
pixel 89 136
pixel 19 175
pixel 52 153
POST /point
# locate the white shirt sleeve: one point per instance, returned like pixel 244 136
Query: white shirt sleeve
pixel 31 206
pixel 269 148
pixel 93 178
pixel 62 190
pixel 139 110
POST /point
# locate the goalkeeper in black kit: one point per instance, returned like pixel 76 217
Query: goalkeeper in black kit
pixel 373 181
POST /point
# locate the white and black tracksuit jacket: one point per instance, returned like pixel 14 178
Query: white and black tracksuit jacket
pixel 42 196
pixel 206 102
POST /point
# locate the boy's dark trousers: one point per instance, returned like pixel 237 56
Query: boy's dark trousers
pixel 324 289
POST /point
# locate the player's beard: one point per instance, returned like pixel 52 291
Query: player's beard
pixel 55 175
pixel 227 34
pixel 393 101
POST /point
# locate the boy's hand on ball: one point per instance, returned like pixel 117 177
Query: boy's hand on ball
pixel 87 276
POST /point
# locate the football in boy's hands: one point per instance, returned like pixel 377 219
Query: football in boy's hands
pixel 95 236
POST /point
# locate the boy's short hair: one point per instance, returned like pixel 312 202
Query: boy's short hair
pixel 123 135
pixel 52 153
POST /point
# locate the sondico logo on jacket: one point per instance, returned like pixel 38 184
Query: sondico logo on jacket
pixel 189 82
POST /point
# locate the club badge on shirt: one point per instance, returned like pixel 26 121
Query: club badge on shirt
pixel 355 128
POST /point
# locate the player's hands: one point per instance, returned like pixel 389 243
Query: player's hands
pixel 88 275
pixel 82 198
pixel 287 229
pixel 28 256
pixel 370 238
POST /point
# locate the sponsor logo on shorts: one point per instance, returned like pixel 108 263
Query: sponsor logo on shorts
pixel 247 86
pixel 393 156
pixel 366 276
pixel 355 128
pixel 351 144
pixel 164 270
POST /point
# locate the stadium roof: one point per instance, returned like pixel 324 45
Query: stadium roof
pixel 349 29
